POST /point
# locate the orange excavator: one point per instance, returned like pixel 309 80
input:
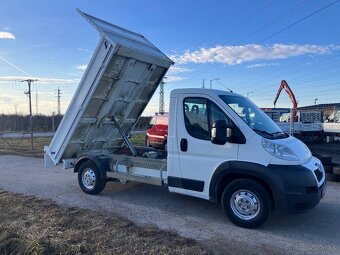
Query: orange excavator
pixel 284 85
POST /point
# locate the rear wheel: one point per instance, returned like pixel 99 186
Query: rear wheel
pixel 246 203
pixel 89 178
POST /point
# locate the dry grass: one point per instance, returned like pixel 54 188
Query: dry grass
pixel 32 226
pixel 23 147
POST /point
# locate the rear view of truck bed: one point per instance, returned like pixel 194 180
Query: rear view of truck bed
pixel 123 74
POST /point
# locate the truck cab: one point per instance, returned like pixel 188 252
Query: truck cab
pixel 223 148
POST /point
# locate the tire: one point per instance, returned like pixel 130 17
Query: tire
pixel 248 193
pixel 89 178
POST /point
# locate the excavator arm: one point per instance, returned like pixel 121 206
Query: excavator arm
pixel 284 85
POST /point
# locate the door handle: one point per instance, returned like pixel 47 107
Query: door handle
pixel 184 144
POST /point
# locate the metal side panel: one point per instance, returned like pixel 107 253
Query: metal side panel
pixel 116 87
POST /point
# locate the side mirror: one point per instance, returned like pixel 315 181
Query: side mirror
pixel 221 132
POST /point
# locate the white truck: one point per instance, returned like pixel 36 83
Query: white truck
pixel 221 147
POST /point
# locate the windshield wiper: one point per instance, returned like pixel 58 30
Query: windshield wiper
pixel 263 132
pixel 278 132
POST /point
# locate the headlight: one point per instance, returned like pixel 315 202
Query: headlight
pixel 279 151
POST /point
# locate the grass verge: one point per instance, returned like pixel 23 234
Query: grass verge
pixel 33 226
pixel 23 146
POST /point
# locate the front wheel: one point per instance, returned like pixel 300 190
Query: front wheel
pixel 246 203
pixel 89 178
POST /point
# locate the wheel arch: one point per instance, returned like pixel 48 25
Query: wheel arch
pixel 232 170
pixel 101 163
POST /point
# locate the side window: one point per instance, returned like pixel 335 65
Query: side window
pixel 199 115
pixel 196 118
pixel 217 114
pixel 153 121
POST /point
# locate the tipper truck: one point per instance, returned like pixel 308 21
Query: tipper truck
pixel 220 147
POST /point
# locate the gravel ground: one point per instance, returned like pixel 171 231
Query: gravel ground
pixel 316 232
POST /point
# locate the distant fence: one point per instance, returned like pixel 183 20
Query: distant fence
pixel 319 129
pixel 15 136
pixel 20 123
pixel 43 123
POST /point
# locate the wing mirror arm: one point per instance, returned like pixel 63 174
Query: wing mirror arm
pixel 221 132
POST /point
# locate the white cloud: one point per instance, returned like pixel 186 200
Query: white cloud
pixel 6 99
pixel 81 49
pixel 262 65
pixel 40 79
pixel 173 78
pixel 232 55
pixel 178 69
pixel 6 35
pixel 81 67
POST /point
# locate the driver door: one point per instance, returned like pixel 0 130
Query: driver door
pixel 199 157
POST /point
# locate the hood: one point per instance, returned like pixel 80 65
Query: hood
pixel 299 148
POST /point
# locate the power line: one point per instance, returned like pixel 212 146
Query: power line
pixel 270 36
pixel 282 16
pixel 244 22
pixel 295 70
pixel 255 14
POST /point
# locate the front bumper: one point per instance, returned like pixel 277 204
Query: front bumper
pixel 305 202
pixel 301 187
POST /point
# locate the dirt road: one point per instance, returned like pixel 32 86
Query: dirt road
pixel 316 232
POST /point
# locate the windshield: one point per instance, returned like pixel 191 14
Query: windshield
pixel 255 118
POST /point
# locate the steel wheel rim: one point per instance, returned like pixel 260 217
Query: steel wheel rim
pixel 245 204
pixel 89 178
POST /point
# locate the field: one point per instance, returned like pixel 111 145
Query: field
pixel 32 226
pixel 23 146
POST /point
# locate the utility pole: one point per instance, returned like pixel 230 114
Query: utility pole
pixel 36 102
pixel 29 93
pixel 16 109
pixel 216 79
pixel 58 98
pixel 53 124
pixel 161 97
pixel 203 85
pixel 16 116
pixel 248 93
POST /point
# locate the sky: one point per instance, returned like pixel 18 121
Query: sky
pixel 248 46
